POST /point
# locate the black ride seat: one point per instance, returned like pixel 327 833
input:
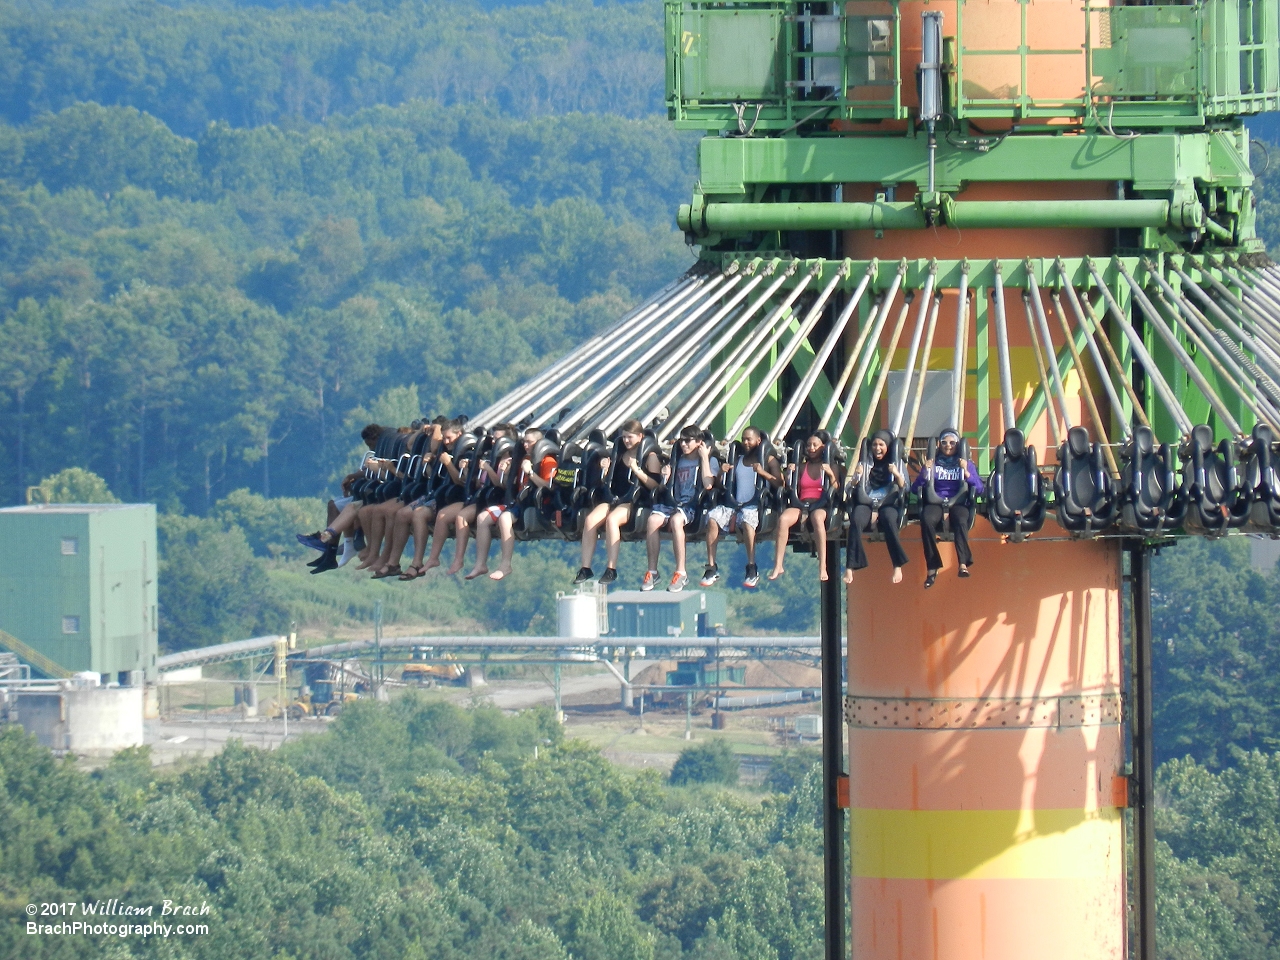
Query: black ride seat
pixel 832 494
pixel 1215 501
pixel 766 495
pixel 1083 489
pixel 1015 500
pixel 577 481
pixel 695 528
pixel 641 497
pixel 533 514
pixel 1262 480
pixel 964 496
pixel 1150 500
pixel 859 494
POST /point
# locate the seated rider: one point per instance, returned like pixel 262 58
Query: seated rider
pixel 347 518
pixel 502 514
pixel 625 478
pixel 949 472
pixel 693 470
pixel 814 482
pixel 743 481
pixel 883 513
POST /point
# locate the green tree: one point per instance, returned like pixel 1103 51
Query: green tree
pixel 711 762
pixel 73 485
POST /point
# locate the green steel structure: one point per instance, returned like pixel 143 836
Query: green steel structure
pixel 78 588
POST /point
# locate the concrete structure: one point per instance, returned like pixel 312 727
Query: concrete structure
pixel 78 587
pixel 85 720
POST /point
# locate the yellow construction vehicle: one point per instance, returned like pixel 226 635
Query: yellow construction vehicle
pixel 429 674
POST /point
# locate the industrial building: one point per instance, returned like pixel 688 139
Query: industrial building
pixel 78 589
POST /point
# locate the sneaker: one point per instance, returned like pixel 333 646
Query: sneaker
pixel 584 574
pixel 313 541
pixel 709 576
pixel 608 576
pixel 753 577
pixel 650 580
pixel 328 561
pixel 678 581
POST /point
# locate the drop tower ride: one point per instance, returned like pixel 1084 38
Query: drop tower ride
pixel 1031 221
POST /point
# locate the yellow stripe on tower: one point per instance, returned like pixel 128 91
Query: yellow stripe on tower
pixel 986 844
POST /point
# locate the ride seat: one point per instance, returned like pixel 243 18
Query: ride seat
pixel 1215 501
pixel 1262 480
pixel 833 456
pixel 1149 498
pixel 1084 492
pixel 964 495
pixel 1015 504
pixel 859 494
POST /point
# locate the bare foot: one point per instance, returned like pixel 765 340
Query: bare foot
pixel 454 567
pixel 477 572
pixel 778 571
pixel 430 565
pixel 822 575
pixel 499 574
pixel 897 574
pixel 848 576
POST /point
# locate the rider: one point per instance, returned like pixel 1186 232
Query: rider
pixel 814 483
pixel 615 510
pixel 742 478
pixel 884 511
pixel 691 460
pixel 948 471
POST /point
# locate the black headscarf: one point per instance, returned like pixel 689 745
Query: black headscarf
pixel 879 477
pixel 951 462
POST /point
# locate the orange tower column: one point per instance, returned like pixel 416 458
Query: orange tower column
pixel 984 750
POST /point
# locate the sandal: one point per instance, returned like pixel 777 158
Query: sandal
pixel 387 572
pixel 413 573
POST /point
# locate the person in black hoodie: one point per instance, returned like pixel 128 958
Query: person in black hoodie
pixel 884 511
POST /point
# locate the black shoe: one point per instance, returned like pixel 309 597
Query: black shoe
pixel 964 571
pixel 709 576
pixel 609 575
pixel 328 561
pixel 361 543
pixel 930 579
pixel 584 574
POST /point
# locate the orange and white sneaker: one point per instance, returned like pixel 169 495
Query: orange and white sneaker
pixel 650 580
pixel 679 580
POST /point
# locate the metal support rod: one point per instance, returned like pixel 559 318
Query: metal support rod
pixel 870 335
pixel 872 412
pixel 769 333
pixel 908 368
pixel 924 367
pixel 1088 325
pixel 1002 351
pixel 1142 795
pixel 1264 354
pixel 792 409
pixel 833 825
pixel 1172 342
pixel 1090 402
pixel 703 396
pixel 1140 350
pixel 1037 307
pixel 1045 383
pixel 801 336
pixel 960 370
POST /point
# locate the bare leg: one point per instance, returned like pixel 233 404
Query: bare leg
pixel 401 526
pixel 461 534
pixel 591 532
pixel 818 521
pixel 444 521
pixel 786 521
pixel 654 528
pixel 749 535
pixel 613 533
pixel 346 520
pixel 371 523
pixel 421 523
pixel 389 512
pixel 484 537
pixel 506 527
pixel 713 538
pixel 677 540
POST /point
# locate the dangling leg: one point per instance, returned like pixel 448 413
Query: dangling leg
pixel 856 555
pixel 444 522
pixel 461 534
pixel 484 538
pixel 818 523
pixel 888 524
pixel 930 520
pixel 613 536
pixel 591 533
pixel 960 529
pixel 786 521
pixel 507 531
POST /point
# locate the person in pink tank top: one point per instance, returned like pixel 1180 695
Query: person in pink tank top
pixel 813 487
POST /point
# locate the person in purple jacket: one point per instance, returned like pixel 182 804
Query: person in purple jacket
pixel 948 471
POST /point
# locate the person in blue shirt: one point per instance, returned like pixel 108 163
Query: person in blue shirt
pixel 692 471
pixel 949 472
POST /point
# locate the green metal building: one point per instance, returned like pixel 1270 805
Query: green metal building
pixel 693 613
pixel 78 588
